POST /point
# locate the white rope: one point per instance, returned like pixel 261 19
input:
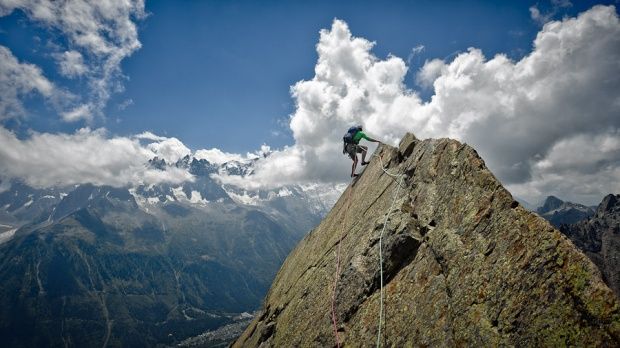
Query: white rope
pixel 396 176
pixel 400 177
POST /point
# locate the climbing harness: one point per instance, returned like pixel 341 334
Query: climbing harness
pixel 337 275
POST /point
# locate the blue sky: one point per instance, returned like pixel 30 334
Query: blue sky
pixel 225 64
pixel 217 73
pixel 534 86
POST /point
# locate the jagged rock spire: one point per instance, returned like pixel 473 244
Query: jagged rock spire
pixel 464 264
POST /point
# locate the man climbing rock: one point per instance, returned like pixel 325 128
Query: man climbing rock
pixel 352 147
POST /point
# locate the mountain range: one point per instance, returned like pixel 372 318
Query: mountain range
pixel 559 212
pixel 159 265
pixel 146 265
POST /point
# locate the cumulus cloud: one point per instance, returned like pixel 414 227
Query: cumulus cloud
pixel 170 149
pixel 19 80
pixel 146 135
pixel 99 35
pixel 430 72
pixel 584 166
pixel 545 124
pixel 517 114
pixel 87 156
pixel 350 86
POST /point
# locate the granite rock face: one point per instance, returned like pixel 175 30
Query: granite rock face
pixel 599 238
pixel 464 265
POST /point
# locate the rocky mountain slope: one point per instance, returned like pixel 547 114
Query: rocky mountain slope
pixel 464 265
pixel 142 266
pixel 559 212
pixel 112 273
pixel 599 238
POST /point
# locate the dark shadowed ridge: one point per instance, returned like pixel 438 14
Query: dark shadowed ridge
pixel 599 238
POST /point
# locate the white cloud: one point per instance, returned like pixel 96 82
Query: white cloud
pixel 416 51
pixel 80 112
pixel 170 149
pixel 543 17
pixel 100 34
pixel 19 80
pixel 547 123
pixel 265 150
pixel 430 72
pixel 513 112
pixel 217 156
pixel 149 136
pixel 583 152
pixel 585 166
pixel 87 156
pixel 125 104
pixel 538 16
pixel 71 64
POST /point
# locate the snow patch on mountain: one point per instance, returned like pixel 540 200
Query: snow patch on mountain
pixel 217 156
pixel 6 236
pixel 323 196
pixel 179 194
pixel 244 198
pixel 284 192
pixel 196 198
pixel 205 190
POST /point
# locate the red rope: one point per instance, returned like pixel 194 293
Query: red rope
pixel 337 275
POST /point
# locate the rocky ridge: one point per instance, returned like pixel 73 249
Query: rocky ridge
pixel 464 265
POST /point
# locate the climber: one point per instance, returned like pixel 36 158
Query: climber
pixel 352 147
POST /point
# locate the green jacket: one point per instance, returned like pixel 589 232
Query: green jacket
pixel 359 136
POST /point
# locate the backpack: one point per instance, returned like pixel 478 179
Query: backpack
pixel 348 137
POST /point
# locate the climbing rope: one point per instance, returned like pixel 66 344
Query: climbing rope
pixel 387 217
pixel 337 275
pixel 395 176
